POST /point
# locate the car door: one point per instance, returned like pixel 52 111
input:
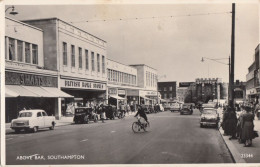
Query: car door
pixel 45 119
pixel 40 120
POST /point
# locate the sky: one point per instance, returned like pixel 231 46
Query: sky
pixel 172 45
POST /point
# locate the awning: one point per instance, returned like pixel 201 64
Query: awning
pixel 19 91
pixel 146 98
pixel 33 91
pixel 57 92
pixel 117 97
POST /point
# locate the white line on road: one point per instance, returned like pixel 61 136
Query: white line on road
pixel 113 131
pixel 84 140
pixel 9 139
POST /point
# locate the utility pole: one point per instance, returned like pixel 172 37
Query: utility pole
pixel 231 82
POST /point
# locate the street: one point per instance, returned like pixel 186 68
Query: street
pixel 172 139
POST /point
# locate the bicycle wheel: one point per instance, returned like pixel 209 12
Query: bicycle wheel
pixel 136 127
pixel 146 127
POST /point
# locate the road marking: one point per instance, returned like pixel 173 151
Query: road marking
pixel 21 136
pixel 9 139
pixel 84 140
pixel 113 131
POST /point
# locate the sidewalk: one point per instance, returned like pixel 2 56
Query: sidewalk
pixel 243 154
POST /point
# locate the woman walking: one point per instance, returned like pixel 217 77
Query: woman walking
pixel 248 127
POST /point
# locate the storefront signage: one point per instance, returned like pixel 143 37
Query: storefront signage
pixel 121 92
pixel 13 78
pixel 65 83
pixel 147 93
pixel 112 91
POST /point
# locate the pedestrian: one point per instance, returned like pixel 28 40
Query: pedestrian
pixel 102 113
pixel 248 127
pixel 232 123
pixel 239 125
pixel 128 108
pixel 224 123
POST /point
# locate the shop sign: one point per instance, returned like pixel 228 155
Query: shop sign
pixel 148 93
pixel 112 91
pixel 65 83
pixel 257 90
pixel 121 92
pixel 13 78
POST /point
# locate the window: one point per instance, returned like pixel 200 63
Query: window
pixel 170 95
pixel 39 114
pixel 98 63
pixel 20 51
pixel 93 61
pixel 11 49
pixel 108 74
pixel 72 56
pixel 80 58
pixel 44 114
pixel 35 54
pixel 103 65
pixel 170 88
pixel 27 53
pixel 165 89
pixel 86 57
pixel 64 51
pixel 165 95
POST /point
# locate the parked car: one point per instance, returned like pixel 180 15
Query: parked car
pixel 84 115
pixel 175 107
pixel 32 120
pixel 206 105
pixel 111 111
pixel 186 109
pixel 209 117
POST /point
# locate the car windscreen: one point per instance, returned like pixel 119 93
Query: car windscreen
pixel 25 114
pixel 209 112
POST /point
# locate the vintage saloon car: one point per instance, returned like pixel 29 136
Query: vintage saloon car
pixel 209 117
pixel 84 115
pixel 186 109
pixel 32 120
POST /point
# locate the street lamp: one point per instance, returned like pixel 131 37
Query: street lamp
pixel 13 12
pixel 230 87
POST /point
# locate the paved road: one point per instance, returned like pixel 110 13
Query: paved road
pixel 173 139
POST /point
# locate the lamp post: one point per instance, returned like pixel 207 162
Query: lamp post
pixel 230 87
pixel 13 12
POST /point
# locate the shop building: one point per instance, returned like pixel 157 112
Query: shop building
pixel 122 83
pixel 252 78
pixel 147 78
pixel 28 85
pixel 168 90
pixel 79 58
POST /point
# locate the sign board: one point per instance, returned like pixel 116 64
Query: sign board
pixel 14 78
pixel 121 92
pixel 147 93
pixel 66 83
pixel 112 91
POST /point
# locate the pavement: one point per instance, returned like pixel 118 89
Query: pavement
pixel 171 139
pixel 240 153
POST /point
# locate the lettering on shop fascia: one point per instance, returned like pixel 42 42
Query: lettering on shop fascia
pixel 13 78
pixel 82 84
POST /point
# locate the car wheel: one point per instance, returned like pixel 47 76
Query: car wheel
pixel 52 126
pixel 35 129
pixel 17 130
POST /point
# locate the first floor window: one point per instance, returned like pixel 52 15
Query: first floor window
pixel 98 63
pixel 20 51
pixel 64 51
pixel 27 53
pixel 86 57
pixel 103 65
pixel 93 61
pixel 80 58
pixel 35 54
pixel 72 56
pixel 11 49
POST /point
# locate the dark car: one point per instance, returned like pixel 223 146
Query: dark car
pixel 111 111
pixel 209 117
pixel 186 109
pixel 84 115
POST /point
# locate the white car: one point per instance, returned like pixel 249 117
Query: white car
pixel 32 120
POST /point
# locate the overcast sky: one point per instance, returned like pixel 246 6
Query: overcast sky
pixel 172 45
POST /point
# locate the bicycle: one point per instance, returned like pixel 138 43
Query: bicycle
pixel 138 125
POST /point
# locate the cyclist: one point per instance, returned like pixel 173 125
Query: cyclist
pixel 141 113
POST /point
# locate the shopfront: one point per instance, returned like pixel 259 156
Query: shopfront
pixel 24 90
pixel 86 93
pixel 116 96
pixel 148 97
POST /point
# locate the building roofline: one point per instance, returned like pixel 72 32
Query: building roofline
pixel 20 22
pixel 142 65
pixel 121 63
pixel 55 18
pixel 166 81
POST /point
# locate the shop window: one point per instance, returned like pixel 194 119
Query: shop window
pixel 103 65
pixel 27 53
pixel 93 61
pixel 64 51
pixel 35 54
pixel 72 56
pixel 80 58
pixel 86 57
pixel 20 51
pixel 11 49
pixel 98 63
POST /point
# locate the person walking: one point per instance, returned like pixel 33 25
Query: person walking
pixel 232 123
pixel 239 125
pixel 248 127
pixel 224 123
